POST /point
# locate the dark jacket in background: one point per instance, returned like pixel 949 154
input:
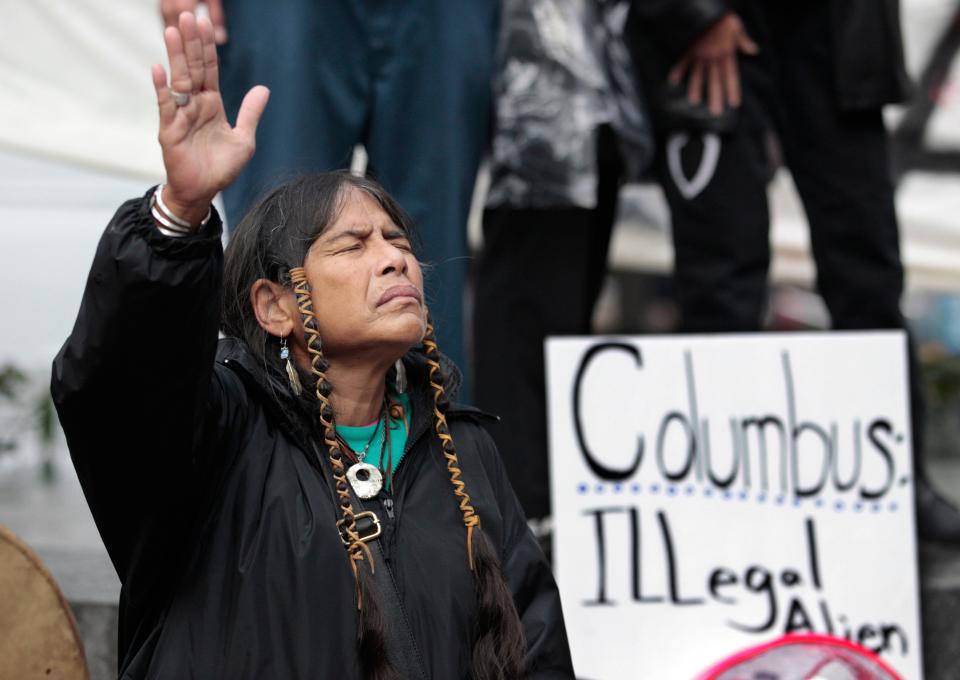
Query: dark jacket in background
pixel 869 68
pixel 219 517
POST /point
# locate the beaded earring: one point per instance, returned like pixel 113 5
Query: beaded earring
pixel 400 382
pixel 292 375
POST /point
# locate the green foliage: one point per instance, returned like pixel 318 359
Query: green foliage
pixel 23 409
pixel 11 378
pixel 942 377
pixel 44 418
pixel 942 382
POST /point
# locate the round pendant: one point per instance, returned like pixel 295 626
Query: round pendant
pixel 365 479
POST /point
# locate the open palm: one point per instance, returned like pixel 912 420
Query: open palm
pixel 202 153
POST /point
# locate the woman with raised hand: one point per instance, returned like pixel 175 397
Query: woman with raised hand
pixel 300 499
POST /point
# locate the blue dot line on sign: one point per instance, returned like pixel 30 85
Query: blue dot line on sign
pixel 761 497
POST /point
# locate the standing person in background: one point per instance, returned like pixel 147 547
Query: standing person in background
pixel 566 109
pixel 408 79
pixel 722 76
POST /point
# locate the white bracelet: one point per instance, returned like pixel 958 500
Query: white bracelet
pixel 165 226
pixel 172 221
pixel 168 232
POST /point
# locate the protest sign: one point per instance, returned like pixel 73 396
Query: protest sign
pixel 713 492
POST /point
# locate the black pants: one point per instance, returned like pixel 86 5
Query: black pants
pixel 716 188
pixel 540 274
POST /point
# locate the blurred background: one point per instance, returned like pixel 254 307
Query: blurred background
pixel 77 137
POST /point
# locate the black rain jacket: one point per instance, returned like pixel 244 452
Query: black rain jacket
pixel 220 520
pixel 868 62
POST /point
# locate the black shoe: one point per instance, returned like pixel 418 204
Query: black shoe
pixel 937 518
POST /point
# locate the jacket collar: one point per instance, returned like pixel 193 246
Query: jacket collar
pixel 232 352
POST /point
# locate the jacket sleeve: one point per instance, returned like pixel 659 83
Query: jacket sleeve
pixel 134 383
pixel 538 603
pixel 530 579
pixel 674 24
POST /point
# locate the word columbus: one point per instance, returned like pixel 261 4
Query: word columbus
pixel 763 446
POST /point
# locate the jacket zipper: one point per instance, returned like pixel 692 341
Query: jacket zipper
pixel 411 442
pixel 386 496
pixel 386 500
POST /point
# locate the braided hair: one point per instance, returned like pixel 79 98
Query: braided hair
pixel 499 646
pixel 271 243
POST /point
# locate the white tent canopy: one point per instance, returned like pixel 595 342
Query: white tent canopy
pixel 75 78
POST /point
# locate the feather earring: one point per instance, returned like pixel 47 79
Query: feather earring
pixel 400 381
pixel 292 374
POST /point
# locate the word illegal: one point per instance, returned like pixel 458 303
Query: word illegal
pixel 785 593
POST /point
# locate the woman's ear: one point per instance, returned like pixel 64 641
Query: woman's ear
pixel 274 307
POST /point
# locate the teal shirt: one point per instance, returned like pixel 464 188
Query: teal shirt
pixel 357 438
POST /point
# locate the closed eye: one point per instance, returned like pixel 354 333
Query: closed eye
pixel 398 239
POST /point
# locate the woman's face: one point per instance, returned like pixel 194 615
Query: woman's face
pixel 367 285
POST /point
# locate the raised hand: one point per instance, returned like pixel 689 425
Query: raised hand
pixel 202 153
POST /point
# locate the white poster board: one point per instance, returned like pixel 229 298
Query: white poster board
pixel 711 493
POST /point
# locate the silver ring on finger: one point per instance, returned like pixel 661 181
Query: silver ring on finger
pixel 180 98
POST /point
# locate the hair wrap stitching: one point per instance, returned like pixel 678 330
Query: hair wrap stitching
pixel 470 517
pixel 356 548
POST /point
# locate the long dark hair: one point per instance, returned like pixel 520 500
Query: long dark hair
pixel 271 243
pixel 274 237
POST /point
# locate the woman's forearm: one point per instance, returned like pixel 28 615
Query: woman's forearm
pixel 131 382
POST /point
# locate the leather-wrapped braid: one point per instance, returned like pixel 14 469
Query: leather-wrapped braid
pixel 471 519
pixel 499 646
pixel 371 640
pixel 357 549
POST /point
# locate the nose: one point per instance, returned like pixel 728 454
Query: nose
pixel 391 258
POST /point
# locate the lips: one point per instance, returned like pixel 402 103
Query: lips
pixel 402 291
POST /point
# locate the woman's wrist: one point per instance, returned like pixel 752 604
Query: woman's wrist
pixel 175 214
